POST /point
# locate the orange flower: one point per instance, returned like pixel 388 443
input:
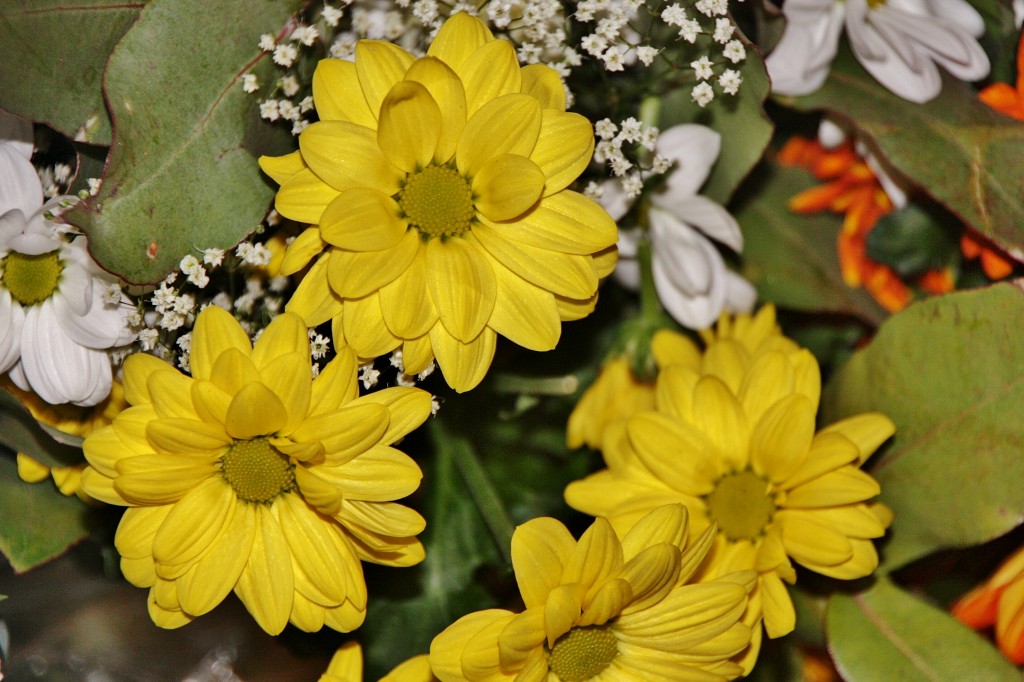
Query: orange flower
pixel 995 265
pixel 1004 98
pixel 999 601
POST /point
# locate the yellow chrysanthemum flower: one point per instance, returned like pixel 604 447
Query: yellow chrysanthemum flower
pixel 437 192
pixel 604 610
pixel 252 476
pixel 737 446
pixel 347 666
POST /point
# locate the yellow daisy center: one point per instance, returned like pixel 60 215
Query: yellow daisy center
pixel 741 504
pixel 256 471
pixel 582 653
pixel 31 279
pixel 437 201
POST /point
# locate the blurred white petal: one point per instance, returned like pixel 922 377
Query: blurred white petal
pixel 19 183
pixel 12 319
pixel 694 148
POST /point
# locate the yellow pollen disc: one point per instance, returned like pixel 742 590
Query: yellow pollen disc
pixel 437 201
pixel 582 653
pixel 31 279
pixel 256 471
pixel 741 504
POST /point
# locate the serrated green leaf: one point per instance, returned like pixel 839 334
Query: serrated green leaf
pixel 182 173
pixel 884 633
pixel 949 371
pixel 52 54
pixel 37 523
pixel 960 152
pixel 913 240
pixel 20 432
pixel 792 258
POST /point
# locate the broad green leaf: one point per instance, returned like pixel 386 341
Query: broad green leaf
pixel 1000 39
pixel 914 239
pixel 431 596
pixel 745 128
pixel 884 633
pixel 37 523
pixel 20 432
pixel 957 150
pixel 791 258
pixel 949 371
pixel 52 54
pixel 182 173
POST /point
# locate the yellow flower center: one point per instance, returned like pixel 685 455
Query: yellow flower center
pixel 256 471
pixel 582 653
pixel 31 279
pixel 437 201
pixel 741 504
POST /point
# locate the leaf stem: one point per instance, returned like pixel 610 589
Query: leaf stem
pixel 486 497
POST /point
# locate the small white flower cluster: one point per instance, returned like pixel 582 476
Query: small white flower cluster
pixel 719 36
pixel 632 165
pixel 54 179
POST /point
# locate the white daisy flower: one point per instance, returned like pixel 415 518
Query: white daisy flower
pixel 690 275
pixel 899 42
pixel 56 318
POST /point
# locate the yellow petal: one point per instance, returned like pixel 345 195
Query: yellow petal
pixel 355 274
pixel 211 402
pixel 346 155
pixel 177 436
pixel 215 332
pixel 565 146
pixel 445 87
pixel 281 168
pixel 284 336
pixel 288 377
pixel 405 303
pixel 362 219
pixel 135 532
pixel 459 37
pixel 306 615
pixel 718 414
pixel 345 433
pixel 304 196
pixel 567 222
pixel 417 354
pixel 597 556
pixel 364 330
pixel 489 73
pixel 867 431
pixel 232 370
pixel 829 451
pixel 607 602
pixel 30 470
pixel 255 411
pixel 605 261
pixel 524 313
pixel 674 452
pixel 672 348
pixel 379 65
pixel 562 610
pixel 673 392
pixel 563 274
pixel 650 575
pixel 303 249
pixel 160 479
pixel 266 584
pixel 410 126
pixel 520 637
pixel 506 186
pixel 311 546
pixel 195 522
pixel 543 83
pixel 461 284
pixel 138 367
pixel 447 650
pixel 464 365
pixel 215 575
pixel 541 548
pixel 344 618
pixel 507 125
pixel 862 562
pixel 575 309
pixel 663 525
pixel 769 379
pixel 336 384
pixel 781 439
pixel 300 452
pixel 381 474
pixel 842 486
pixel 314 300
pixel 337 94
pixel 347 663
pixel 812 543
pixel 408 408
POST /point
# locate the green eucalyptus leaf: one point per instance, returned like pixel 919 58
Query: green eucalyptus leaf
pixel 38 523
pixel 885 633
pixel 52 54
pixel 20 432
pixel 957 150
pixel 792 258
pixel 91 160
pixel 913 240
pixel 182 173
pixel 949 371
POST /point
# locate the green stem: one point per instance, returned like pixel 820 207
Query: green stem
pixel 517 383
pixel 650 305
pixel 487 500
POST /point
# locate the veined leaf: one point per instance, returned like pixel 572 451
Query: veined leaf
pixel 182 173
pixel 949 371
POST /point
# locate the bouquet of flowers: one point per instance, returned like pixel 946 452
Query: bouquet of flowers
pixel 511 340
